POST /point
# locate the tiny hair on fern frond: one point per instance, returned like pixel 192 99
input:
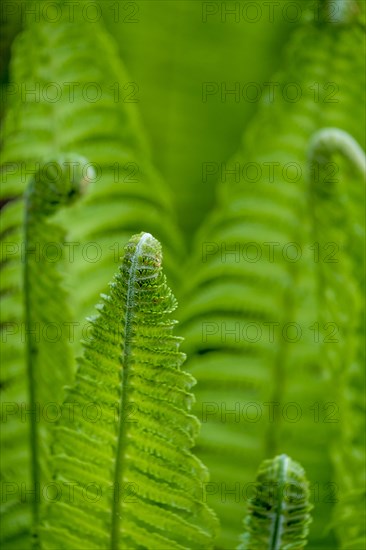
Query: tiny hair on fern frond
pixel 57 183
pixel 141 440
pixel 279 514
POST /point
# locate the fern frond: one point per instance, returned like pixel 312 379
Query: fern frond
pixel 246 289
pixel 37 359
pixel 279 514
pixel 107 131
pixel 141 440
pixel 56 184
pixel 186 126
pixel 337 208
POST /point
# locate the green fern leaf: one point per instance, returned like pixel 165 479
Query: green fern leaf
pixel 338 214
pixel 209 128
pixel 131 371
pixel 238 289
pixel 279 514
pixel 38 360
pixel 107 131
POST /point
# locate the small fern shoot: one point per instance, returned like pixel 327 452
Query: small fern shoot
pixel 136 453
pixel 337 207
pixel 38 362
pixel 279 513
pixel 56 184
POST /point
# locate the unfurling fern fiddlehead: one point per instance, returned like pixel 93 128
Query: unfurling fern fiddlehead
pixel 55 184
pixel 36 381
pixel 337 206
pixel 279 514
pixel 137 451
pixel 329 141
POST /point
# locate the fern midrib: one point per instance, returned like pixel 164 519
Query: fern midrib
pixel 124 402
pixel 275 543
pixel 31 351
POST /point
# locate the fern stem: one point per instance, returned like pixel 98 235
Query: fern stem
pixel 31 352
